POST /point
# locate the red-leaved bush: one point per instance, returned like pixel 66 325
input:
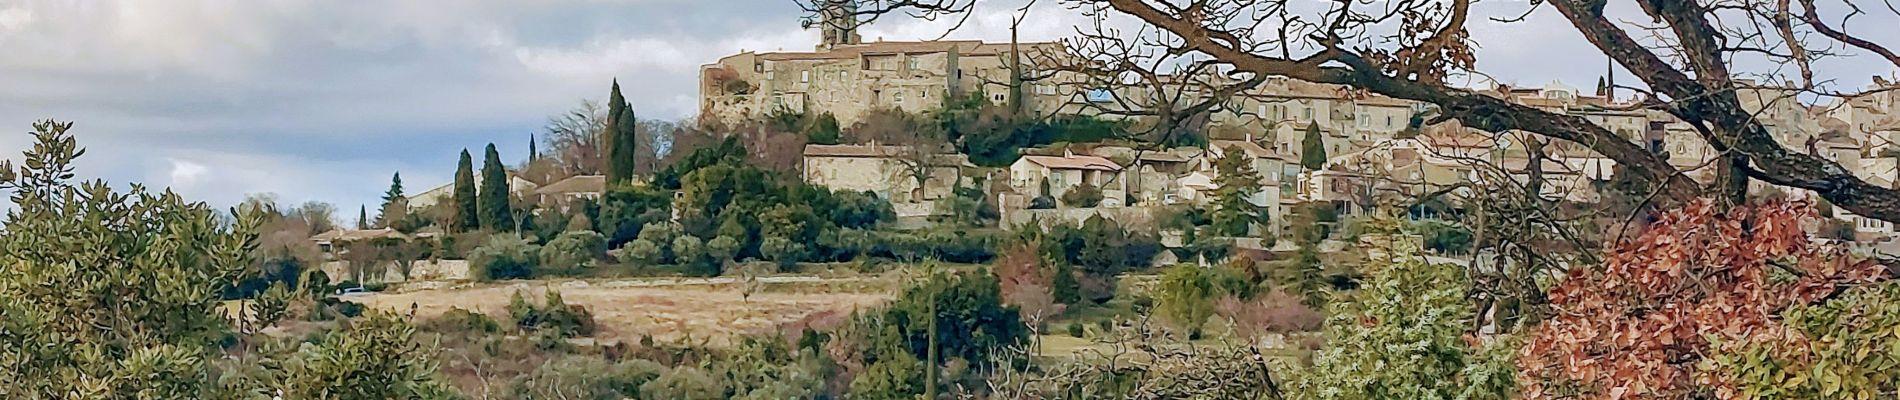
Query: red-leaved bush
pixel 1639 325
pixel 1275 312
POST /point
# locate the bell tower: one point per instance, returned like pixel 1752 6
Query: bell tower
pixel 838 23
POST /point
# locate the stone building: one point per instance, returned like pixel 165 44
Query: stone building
pixel 887 171
pixel 848 77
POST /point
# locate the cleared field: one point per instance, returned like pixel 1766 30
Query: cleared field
pixel 712 311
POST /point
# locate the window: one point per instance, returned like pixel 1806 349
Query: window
pixel 1306 113
pixel 1046 89
pixel 897 97
pixel 913 62
pixel 1365 120
pixel 1388 121
pixel 843 77
pixel 999 97
pixel 804 76
pixel 769 75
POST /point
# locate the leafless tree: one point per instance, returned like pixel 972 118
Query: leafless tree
pixel 573 138
pixel 1690 57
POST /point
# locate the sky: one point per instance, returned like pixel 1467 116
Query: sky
pixel 322 100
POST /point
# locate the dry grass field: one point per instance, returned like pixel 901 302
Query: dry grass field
pixel 699 310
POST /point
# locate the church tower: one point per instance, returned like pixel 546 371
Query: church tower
pixel 838 22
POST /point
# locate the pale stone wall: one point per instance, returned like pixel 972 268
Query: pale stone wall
pixel 421 270
pixel 889 179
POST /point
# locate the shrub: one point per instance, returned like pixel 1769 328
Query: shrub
pixel 1082 196
pixel 1076 329
pixel 554 316
pixel 572 251
pixel 1186 296
pixel 784 251
pixel 1276 312
pixel 684 383
pixel 1442 237
pixel 586 377
pixel 458 320
pixel 723 248
pixel 639 252
pixel 504 257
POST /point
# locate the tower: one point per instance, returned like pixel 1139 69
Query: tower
pixel 838 22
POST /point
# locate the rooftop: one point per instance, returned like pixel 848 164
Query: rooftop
pixel 1092 163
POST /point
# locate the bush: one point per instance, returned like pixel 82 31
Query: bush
pixel 572 251
pixel 684 383
pixel 1082 196
pixel 688 250
pixel 781 250
pixel 1276 312
pixel 639 252
pixel 458 320
pixel 1442 237
pixel 1186 296
pixel 554 316
pixel 587 377
pixel 504 257
pixel 1076 329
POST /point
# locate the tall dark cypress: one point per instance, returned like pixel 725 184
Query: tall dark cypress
pixel 465 213
pixel 619 137
pixel 622 158
pixel 493 199
pixel 362 217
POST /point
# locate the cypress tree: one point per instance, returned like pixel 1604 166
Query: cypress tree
pixel 620 158
pixel 465 213
pixel 619 126
pixel 362 217
pixel 1313 149
pixel 492 201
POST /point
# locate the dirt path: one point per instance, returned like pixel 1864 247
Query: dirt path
pixel 669 309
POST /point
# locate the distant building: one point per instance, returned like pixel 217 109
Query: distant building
pixel 888 171
pixel 566 192
pixel 521 187
pixel 1065 173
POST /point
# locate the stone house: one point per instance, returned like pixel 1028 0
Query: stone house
pixel 566 192
pixel 885 170
pixel 521 187
pixel 1066 172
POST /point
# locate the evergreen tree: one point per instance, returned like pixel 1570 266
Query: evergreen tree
pixel 390 197
pixel 1233 213
pixel 362 217
pixel 465 212
pixel 1313 149
pixel 620 137
pixel 492 201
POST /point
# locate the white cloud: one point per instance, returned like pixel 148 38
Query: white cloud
pixel 14 18
pixel 186 174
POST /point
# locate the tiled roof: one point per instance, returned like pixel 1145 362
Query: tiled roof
pixel 340 235
pixel 1252 149
pixel 576 184
pixel 1074 162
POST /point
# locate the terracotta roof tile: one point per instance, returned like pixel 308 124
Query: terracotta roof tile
pixel 1075 162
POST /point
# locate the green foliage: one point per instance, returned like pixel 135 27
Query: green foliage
pixel 1313 149
pixel 782 250
pixel 390 200
pixel 621 135
pixel 1311 270
pixel 722 249
pixel 639 252
pixel 684 383
pixel 374 358
pixel 1234 214
pixel 727 152
pixel 1186 296
pixel 553 316
pixel 823 129
pixel 492 208
pixel 572 251
pixel 1402 336
pixel 1846 348
pixel 897 377
pixel 626 210
pixel 504 257
pixel 1077 329
pixel 1442 237
pixel 107 294
pixel 1082 196
pixel 972 321
pixel 271 306
pixel 466 215
pixel 587 377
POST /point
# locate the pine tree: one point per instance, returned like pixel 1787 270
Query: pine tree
pixel 492 200
pixel 465 212
pixel 1313 149
pixel 390 198
pixel 1234 214
pixel 362 217
pixel 534 151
